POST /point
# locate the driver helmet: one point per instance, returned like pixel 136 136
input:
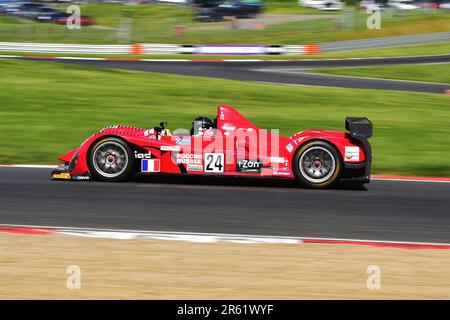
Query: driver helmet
pixel 201 124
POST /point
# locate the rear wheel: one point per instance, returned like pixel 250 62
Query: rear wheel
pixel 317 164
pixel 110 159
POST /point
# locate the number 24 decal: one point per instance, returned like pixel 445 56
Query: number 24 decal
pixel 214 162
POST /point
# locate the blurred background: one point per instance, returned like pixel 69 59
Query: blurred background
pixel 216 21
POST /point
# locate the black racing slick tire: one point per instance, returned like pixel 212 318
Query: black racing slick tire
pixel 110 159
pixel 317 164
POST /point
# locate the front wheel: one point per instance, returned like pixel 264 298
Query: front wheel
pixel 110 159
pixel 317 164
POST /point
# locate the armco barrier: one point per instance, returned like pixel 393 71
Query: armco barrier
pixel 154 48
pixel 64 48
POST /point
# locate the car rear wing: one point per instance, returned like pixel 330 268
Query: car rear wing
pixel 361 129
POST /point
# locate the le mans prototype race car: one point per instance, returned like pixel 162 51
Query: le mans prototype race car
pixel 229 145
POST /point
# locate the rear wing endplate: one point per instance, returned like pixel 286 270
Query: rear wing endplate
pixel 361 129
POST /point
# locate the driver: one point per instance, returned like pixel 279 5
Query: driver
pixel 201 126
pixel 158 131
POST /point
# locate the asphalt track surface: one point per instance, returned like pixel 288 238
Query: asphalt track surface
pixel 384 210
pixel 287 72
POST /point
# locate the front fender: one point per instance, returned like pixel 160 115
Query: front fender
pixel 81 167
pixel 67 157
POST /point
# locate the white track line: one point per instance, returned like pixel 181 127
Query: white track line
pixel 205 237
pixel 367 78
pixel 300 71
pixel 164 60
pixel 30 166
pixel 78 58
pixel 409 180
pixel 163 235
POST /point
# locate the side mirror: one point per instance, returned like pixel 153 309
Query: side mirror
pixel 163 124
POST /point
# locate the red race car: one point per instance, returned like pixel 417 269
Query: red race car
pixel 229 145
pixel 84 20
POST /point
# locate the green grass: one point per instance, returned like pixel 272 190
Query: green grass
pixel 49 108
pixel 412 50
pixel 155 23
pixel 417 72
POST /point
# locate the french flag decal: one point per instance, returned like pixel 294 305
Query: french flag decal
pixel 150 165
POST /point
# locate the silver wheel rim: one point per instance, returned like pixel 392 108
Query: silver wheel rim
pixel 110 159
pixel 317 164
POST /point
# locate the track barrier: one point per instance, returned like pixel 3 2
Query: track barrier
pixel 154 48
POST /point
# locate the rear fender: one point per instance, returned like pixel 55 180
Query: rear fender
pixel 340 140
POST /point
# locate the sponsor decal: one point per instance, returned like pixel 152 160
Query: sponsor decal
pixel 214 162
pixel 80 177
pixel 189 158
pixel 139 155
pixel 289 147
pixel 277 159
pixel 183 141
pixel 170 148
pixel 228 127
pixel 63 175
pixel 300 139
pixel 194 167
pixel 282 173
pixel 351 154
pixel 150 165
pixel 230 49
pixel 245 165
